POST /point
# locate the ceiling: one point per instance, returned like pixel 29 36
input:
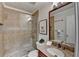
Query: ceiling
pixel 27 6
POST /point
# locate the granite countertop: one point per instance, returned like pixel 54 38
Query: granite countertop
pixel 66 52
pixel 43 49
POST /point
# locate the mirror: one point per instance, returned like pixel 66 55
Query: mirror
pixel 62 24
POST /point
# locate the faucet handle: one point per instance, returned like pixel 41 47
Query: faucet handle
pixel 55 55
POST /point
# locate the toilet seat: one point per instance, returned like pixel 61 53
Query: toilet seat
pixel 33 53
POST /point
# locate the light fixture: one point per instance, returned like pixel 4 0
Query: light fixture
pixel 29 18
pixel 55 3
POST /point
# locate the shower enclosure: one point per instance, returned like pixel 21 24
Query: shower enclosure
pixel 15 33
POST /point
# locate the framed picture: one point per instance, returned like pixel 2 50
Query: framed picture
pixel 43 27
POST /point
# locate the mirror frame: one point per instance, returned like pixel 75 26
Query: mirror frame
pixel 54 10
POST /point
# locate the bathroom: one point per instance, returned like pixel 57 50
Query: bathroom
pixel 35 29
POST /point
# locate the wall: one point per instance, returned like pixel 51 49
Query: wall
pixel 77 29
pixel 44 14
pixel 34 27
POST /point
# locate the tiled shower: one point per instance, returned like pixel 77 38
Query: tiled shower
pixel 15 33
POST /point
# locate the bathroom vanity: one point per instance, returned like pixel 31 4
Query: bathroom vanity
pixel 53 51
pixel 61 33
pixel 62 28
pixel 41 54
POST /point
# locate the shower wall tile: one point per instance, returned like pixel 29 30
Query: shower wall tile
pixel 1 33
pixel 16 34
pixel 1 44
pixel 1 10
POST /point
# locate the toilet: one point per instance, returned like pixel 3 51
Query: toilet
pixel 33 53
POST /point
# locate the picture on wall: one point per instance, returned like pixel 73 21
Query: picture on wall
pixel 43 27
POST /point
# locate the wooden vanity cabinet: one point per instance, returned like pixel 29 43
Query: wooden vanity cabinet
pixel 41 54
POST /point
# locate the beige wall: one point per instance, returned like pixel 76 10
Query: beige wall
pixel 44 14
pixel 34 27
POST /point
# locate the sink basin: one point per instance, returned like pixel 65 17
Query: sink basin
pixel 55 52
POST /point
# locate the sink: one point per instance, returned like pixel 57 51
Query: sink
pixel 55 52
